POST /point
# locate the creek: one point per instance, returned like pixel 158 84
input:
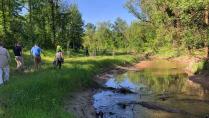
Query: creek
pixel 161 91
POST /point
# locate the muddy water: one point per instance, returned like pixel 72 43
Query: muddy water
pixel 160 91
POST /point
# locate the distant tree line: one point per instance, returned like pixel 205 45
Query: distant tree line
pixel 177 24
pixel 119 36
pixel 46 22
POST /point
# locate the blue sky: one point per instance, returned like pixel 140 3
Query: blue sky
pixel 95 11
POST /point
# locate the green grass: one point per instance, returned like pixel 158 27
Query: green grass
pixel 40 94
pixel 198 67
pixel 167 52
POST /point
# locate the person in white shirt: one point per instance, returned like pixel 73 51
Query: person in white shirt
pixel 59 59
pixel 4 64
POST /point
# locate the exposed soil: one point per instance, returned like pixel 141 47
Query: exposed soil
pixel 144 64
pixel 80 103
pixel 186 62
pixel 202 79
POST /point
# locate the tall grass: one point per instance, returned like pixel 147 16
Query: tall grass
pixel 40 94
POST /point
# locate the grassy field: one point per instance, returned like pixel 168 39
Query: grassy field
pixel 39 94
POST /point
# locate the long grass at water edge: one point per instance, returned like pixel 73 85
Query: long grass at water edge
pixel 39 94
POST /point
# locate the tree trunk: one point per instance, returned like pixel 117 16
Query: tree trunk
pixel 44 28
pixel 11 10
pixel 53 20
pixel 206 18
pixel 4 16
pixel 206 49
pixel 31 22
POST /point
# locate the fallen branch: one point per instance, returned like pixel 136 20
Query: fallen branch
pixel 120 90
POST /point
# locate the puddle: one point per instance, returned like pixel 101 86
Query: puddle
pixel 153 93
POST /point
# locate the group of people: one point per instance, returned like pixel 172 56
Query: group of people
pixel 36 52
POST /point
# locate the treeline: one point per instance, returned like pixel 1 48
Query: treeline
pixel 46 22
pixel 52 22
pixel 119 36
pixel 177 24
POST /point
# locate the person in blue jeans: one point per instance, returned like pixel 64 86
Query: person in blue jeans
pixel 36 52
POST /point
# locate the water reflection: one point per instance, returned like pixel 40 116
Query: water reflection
pixel 163 84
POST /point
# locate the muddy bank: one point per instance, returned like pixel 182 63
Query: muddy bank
pixel 202 79
pixel 185 63
pixel 198 76
pixel 82 105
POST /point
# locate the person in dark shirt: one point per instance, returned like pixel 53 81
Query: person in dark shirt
pixel 18 55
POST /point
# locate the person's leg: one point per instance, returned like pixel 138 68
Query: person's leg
pixel 60 64
pixel 57 62
pixel 1 78
pixel 22 62
pixel 39 62
pixel 17 61
pixel 35 63
pixel 6 73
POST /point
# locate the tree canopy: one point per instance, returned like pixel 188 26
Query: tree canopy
pixel 47 23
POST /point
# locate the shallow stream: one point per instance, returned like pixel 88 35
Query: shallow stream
pixel 161 91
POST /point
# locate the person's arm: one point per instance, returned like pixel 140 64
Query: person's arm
pixel 61 54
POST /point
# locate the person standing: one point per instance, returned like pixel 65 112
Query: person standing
pixel 59 59
pixel 18 55
pixel 4 64
pixel 36 52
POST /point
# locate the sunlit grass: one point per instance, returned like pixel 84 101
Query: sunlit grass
pixel 39 94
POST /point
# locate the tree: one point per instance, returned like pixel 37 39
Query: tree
pixel 89 39
pixel 75 27
pixel 119 29
pixel 104 37
pixel 174 18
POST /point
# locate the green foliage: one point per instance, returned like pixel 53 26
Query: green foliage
pixel 197 67
pixel 141 37
pixel 48 23
pixel 75 27
pixel 178 23
pixel 89 37
pixel 119 31
pixel 138 37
